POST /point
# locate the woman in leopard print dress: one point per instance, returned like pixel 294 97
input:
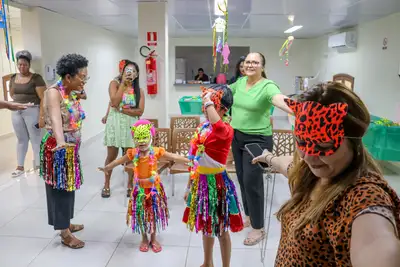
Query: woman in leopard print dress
pixel 342 212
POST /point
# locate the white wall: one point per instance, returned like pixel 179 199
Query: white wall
pixel 376 71
pixel 7 67
pixel 60 35
pixel 300 63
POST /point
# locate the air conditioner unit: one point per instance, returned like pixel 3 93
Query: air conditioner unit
pixel 343 40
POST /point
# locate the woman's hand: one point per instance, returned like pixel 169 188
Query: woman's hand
pixel 185 197
pixel 104 120
pixel 62 145
pixel 266 156
pixel 103 169
pixel 17 106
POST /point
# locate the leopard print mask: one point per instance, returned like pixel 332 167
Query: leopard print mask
pixel 318 129
pixel 142 133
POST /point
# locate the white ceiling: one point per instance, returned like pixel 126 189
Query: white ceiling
pixel 247 18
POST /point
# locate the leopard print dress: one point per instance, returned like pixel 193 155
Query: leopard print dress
pixel 327 243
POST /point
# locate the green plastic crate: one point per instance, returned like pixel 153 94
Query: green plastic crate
pixel 191 105
pixel 383 142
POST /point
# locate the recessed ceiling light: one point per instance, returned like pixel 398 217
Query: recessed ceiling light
pixel 293 29
pixel 221 3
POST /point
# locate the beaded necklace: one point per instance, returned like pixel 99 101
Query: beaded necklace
pixel 197 147
pixel 74 124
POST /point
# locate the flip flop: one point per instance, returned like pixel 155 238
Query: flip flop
pixel 144 247
pixel 155 249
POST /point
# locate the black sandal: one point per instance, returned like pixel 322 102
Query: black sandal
pixel 105 193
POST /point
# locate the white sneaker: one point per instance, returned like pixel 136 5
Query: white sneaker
pixel 17 173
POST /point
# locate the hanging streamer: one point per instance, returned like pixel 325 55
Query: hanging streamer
pixel 6 26
pixel 10 32
pixel 284 51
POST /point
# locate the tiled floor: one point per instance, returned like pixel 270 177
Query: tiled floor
pixel 27 240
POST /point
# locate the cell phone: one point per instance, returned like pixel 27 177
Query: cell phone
pixel 255 150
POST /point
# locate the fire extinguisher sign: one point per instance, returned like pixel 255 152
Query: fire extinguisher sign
pixel 151 38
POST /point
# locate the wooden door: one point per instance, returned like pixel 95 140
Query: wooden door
pixel 346 79
pixel 6 82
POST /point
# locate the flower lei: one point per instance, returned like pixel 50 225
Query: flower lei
pixel 151 164
pixel 197 147
pixel 75 124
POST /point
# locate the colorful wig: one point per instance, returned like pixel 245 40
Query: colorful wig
pixel 143 131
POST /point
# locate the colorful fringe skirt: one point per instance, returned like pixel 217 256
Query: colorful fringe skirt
pixel 148 210
pixel 212 205
pixel 62 168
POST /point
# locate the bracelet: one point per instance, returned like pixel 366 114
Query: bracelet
pixel 208 103
pixel 270 161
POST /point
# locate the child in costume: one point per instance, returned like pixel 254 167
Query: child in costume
pixel 212 203
pixel 147 209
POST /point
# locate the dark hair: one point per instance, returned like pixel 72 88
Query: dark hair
pixel 227 97
pixel 201 69
pixel 135 83
pixel 24 54
pixel 71 64
pixel 238 73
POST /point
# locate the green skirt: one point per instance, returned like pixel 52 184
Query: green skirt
pixel 118 129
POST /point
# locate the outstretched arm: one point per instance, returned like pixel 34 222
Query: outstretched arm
pixel 175 157
pixel 114 164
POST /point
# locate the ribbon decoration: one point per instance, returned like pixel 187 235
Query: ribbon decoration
pixel 220 39
pixel 5 25
pixel 284 51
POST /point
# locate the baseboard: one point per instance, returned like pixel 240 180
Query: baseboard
pixel 5 136
pixel 391 165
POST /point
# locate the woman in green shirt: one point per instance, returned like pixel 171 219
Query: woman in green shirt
pixel 254 96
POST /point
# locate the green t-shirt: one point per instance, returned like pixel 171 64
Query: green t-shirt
pixel 251 109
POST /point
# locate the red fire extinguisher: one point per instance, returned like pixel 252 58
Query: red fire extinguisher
pixel 151 73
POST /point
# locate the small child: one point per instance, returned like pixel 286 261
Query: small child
pixel 147 209
pixel 212 203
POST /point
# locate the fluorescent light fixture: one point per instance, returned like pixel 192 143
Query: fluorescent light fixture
pixel 293 29
pixel 221 3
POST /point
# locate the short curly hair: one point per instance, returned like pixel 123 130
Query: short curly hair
pixel 71 64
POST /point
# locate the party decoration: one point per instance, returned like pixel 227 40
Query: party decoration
pixel 316 124
pixel 220 39
pixel 72 107
pixel 284 51
pixel 5 25
pixel 225 53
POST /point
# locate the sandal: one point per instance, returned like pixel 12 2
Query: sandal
pixel 73 228
pixel 144 247
pixel 253 240
pixel 105 193
pixel 157 248
pixel 129 192
pixel 17 173
pixel 72 242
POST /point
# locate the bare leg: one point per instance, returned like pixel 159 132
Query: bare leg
pixel 144 245
pixel 112 153
pixel 155 245
pixel 208 246
pixel 226 248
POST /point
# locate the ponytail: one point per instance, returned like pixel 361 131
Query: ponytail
pixel 263 74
